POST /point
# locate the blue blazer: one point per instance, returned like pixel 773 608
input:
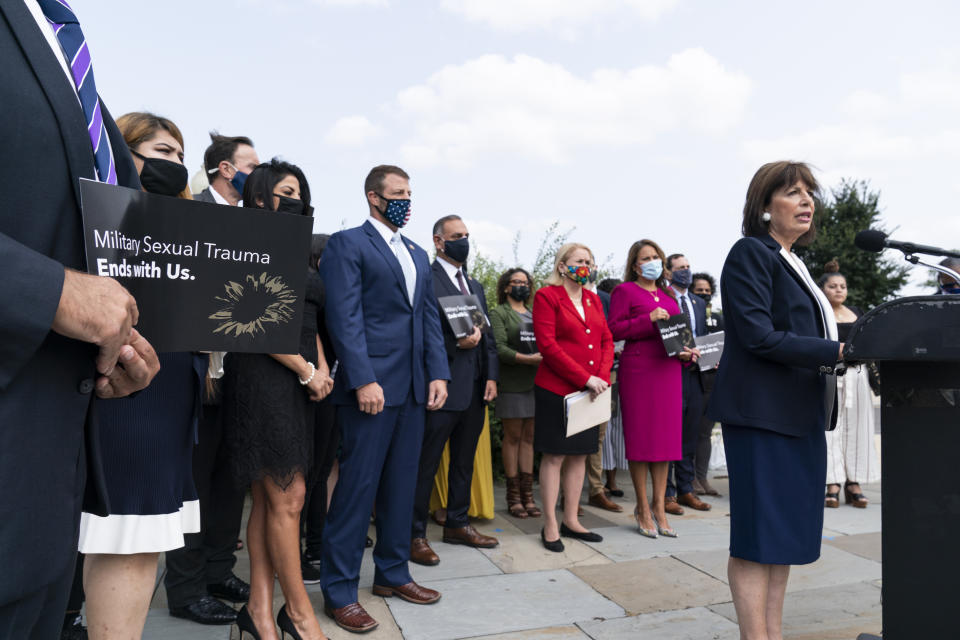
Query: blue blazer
pixel 771 374
pixel 471 367
pixel 49 450
pixel 377 334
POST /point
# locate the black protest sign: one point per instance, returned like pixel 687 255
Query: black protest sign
pixel 463 314
pixel 676 334
pixel 528 342
pixel 711 348
pixel 206 277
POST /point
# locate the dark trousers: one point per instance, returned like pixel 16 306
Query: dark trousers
pixel 38 615
pixel 704 445
pixel 208 556
pixel 462 429
pixel 682 472
pixel 379 455
pixel 326 439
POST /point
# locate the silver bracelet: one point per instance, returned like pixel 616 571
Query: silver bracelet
pixel 313 372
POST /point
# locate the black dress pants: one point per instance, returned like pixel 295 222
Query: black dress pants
pixel 682 472
pixel 38 615
pixel 704 444
pixel 209 556
pixel 462 429
pixel 326 441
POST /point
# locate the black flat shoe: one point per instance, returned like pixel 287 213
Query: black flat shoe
pixel 245 624
pixel 286 625
pixel 556 545
pixel 586 536
pixel 616 493
pixel 206 610
pixel 233 589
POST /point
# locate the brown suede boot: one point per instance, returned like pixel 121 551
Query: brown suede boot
pixel 514 501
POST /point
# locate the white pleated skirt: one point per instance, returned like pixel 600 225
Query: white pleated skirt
pixel 128 534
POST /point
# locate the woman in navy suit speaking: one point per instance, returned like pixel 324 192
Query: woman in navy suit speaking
pixel 774 395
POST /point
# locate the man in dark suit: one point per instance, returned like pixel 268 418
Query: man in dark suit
pixel 683 472
pixel 228 161
pixel 63 334
pixel 383 321
pixel 204 567
pixel 704 287
pixel 474 371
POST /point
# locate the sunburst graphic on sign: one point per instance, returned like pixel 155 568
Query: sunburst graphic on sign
pixel 249 308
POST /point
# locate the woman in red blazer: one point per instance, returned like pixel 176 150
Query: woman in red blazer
pixel 577 350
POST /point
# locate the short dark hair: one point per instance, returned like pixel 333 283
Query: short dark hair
pixel 766 181
pixel 607 285
pixel 374 181
pixel 439 224
pixel 222 148
pixel 504 280
pixel 263 180
pixel 670 259
pixel 705 276
pixel 317 244
pixel 949 263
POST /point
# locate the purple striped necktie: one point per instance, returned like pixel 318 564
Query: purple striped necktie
pixel 74 45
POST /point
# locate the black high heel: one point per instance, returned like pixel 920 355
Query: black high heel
pixel 245 623
pixel 286 625
pixel 551 545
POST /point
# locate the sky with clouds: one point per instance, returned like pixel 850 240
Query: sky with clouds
pixel 623 118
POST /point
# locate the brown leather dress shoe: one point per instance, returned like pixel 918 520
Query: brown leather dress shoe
pixel 469 536
pixel 353 618
pixel 421 553
pixel 439 516
pixel 603 502
pixel 670 506
pixel 708 489
pixel 692 501
pixel 411 592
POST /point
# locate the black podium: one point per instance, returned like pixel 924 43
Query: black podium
pixel 916 343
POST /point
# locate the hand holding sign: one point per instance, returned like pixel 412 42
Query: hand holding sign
pixel 659 314
pixel 470 341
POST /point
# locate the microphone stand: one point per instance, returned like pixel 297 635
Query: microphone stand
pixel 913 259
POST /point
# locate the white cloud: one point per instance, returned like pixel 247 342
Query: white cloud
pixel 353 3
pixel 566 15
pixel 352 131
pixel 536 109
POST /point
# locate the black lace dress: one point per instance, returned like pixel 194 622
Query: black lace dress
pixel 268 417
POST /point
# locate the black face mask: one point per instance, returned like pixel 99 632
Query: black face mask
pixel 163 177
pixel 519 292
pixel 457 250
pixel 706 297
pixel 292 205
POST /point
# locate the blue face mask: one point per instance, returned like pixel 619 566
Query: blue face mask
pixel 682 278
pixel 238 180
pixel 397 211
pixel 652 270
pixel 950 289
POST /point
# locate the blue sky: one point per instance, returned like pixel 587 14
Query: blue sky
pixel 623 118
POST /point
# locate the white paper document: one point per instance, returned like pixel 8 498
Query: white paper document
pixel 583 413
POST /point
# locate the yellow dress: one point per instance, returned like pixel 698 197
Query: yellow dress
pixel 481 487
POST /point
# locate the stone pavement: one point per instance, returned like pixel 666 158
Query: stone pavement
pixel 627 586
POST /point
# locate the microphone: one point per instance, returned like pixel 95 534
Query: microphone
pixel 877 241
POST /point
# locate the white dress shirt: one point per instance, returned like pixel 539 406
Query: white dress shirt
pixel 687 305
pixel 397 244
pixel 451 271
pixel 47 30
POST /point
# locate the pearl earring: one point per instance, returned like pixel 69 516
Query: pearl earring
pixel 766 216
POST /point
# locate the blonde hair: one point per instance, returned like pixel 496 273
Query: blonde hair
pixel 138 127
pixel 562 254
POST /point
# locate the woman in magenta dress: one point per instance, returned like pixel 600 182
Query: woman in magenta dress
pixel 650 385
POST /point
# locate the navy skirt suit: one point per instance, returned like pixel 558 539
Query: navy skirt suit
pixel 770 394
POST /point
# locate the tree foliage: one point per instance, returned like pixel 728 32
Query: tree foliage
pixel 871 278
